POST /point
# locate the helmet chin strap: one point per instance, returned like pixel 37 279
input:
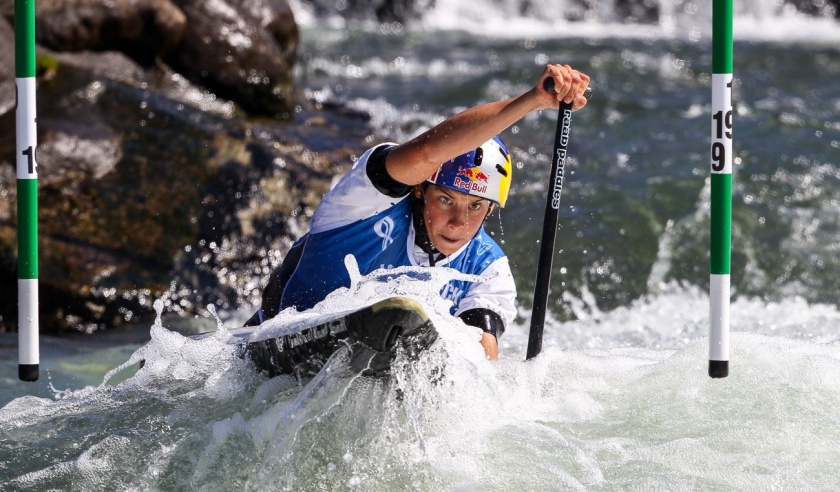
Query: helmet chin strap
pixel 421 235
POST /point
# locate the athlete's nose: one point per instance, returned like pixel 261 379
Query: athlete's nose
pixel 457 218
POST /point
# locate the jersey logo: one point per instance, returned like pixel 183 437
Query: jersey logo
pixel 383 228
pixel 483 248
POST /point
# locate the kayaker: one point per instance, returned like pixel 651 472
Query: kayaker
pixel 423 203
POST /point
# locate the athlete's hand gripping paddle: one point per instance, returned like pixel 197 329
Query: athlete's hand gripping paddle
pixel 549 229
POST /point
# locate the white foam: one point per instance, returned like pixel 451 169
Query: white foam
pixel 679 19
pixel 619 399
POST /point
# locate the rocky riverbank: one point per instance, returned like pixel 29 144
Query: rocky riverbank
pixel 175 158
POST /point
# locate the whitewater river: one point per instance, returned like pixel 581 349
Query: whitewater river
pixel 619 399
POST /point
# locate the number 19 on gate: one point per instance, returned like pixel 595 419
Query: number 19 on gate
pixel 722 127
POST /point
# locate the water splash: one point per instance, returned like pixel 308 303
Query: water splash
pixel 620 399
pixel 418 283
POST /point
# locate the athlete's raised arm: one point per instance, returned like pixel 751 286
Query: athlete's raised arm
pixel 412 162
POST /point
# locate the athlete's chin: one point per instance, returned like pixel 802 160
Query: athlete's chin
pixel 448 246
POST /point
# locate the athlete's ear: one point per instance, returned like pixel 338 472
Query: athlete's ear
pixel 490 209
pixel 418 192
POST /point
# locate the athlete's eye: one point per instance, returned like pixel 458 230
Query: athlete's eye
pixel 445 200
pixel 476 206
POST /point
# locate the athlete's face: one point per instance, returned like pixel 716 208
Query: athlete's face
pixel 452 218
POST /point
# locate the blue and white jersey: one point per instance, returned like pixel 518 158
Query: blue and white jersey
pixel 356 218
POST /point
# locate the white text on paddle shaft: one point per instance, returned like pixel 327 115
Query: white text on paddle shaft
pixel 560 159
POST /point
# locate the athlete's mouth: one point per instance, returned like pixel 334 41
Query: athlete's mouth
pixel 450 240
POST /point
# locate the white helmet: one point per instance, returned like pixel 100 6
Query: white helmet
pixel 485 172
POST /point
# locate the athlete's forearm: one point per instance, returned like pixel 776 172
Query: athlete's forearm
pixel 414 161
pixel 411 163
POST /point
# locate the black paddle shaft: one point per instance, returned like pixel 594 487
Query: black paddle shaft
pixel 549 229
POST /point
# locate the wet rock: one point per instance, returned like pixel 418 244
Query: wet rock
pixel 7 67
pixel 152 181
pixel 242 50
pixel 151 187
pixel 144 29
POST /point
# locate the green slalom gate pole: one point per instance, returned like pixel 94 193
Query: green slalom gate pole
pixel 721 188
pixel 27 191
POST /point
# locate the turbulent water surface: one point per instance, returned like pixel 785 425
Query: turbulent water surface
pixel 619 399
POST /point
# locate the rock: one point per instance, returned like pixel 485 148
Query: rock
pixel 242 50
pixel 150 188
pixel 7 67
pixel 277 18
pixel 143 29
pixel 7 9
pixel 151 185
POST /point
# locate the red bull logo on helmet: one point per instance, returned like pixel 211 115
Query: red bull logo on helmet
pixel 473 173
pixel 471 179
